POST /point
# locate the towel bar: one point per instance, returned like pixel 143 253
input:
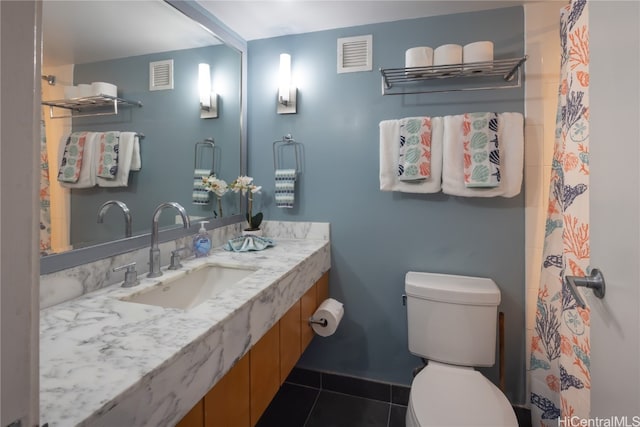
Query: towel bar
pixel 208 142
pixel 279 146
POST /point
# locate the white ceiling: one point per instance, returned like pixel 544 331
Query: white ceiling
pixel 263 19
pixel 77 32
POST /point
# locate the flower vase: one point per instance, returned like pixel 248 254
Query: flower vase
pixel 256 232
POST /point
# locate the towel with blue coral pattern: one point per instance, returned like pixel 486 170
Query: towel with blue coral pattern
pixel 415 149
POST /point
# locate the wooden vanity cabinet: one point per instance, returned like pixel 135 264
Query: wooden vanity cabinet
pixel 264 362
pixel 194 418
pixel 227 404
pixel 290 342
pixel 243 394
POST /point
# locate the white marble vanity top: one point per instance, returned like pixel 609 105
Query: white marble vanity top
pixel 106 362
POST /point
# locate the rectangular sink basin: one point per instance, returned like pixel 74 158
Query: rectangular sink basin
pixel 191 289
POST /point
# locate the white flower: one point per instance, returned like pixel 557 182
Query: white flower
pixel 244 184
pixel 215 185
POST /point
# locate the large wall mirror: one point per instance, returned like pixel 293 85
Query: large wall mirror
pixel 122 43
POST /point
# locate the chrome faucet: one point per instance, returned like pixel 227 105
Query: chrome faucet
pixel 154 252
pixel 125 210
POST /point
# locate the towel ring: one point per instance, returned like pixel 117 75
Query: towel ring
pixel 203 144
pixel 279 146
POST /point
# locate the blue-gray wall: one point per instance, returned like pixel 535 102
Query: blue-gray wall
pixel 171 123
pixel 378 236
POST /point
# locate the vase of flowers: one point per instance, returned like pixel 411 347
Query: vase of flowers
pixel 218 187
pixel 244 185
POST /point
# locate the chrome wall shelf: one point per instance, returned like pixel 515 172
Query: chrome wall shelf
pixel 497 74
pixel 100 105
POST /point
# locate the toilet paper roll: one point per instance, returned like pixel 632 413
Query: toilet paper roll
pixel 330 311
pixel 103 88
pixel 71 92
pixel 478 52
pixel 84 90
pixel 421 56
pixel 447 54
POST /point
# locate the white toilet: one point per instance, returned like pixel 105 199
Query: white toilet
pixel 452 324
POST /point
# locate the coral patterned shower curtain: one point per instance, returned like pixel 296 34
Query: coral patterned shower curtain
pixel 560 348
pixel 45 198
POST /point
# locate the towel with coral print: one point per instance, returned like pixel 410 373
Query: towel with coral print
pixel 414 160
pixel 72 158
pixel 481 152
pixel 109 147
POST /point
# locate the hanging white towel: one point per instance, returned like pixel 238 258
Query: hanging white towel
pixel 285 187
pixel 124 163
pixel 389 155
pixel 87 178
pixel 511 146
pixel 136 160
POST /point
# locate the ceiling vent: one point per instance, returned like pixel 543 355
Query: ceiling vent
pixel 354 54
pixel 161 75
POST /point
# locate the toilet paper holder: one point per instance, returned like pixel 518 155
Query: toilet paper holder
pixel 322 322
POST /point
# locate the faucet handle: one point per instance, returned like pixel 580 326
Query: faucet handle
pixel 130 276
pixel 175 258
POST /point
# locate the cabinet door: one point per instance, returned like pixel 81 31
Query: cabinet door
pixel 309 303
pixel 194 418
pixel 322 287
pixel 264 369
pixel 290 327
pixel 227 403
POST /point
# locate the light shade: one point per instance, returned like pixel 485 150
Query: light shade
pixel 208 99
pixel 287 93
pixel 284 78
pixel 204 85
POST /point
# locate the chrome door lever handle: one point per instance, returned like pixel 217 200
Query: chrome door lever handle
pixel 594 281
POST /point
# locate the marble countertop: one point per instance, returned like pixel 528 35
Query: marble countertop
pixel 106 362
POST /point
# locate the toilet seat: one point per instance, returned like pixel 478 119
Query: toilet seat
pixel 447 395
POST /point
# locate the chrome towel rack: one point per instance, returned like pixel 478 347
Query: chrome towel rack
pixel 198 154
pixel 496 74
pixel 279 148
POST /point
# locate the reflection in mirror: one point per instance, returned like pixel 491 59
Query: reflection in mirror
pixel 121 48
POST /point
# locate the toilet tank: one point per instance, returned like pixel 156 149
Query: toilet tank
pixel 452 319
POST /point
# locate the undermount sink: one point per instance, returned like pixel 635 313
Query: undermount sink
pixel 192 288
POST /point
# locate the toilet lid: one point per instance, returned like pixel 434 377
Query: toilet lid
pixel 444 395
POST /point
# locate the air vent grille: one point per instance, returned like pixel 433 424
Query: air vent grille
pixel 161 75
pixel 354 54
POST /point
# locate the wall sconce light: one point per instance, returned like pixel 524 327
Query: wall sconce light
pixel 287 93
pixel 208 98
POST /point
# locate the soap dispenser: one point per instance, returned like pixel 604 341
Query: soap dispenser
pixel 202 241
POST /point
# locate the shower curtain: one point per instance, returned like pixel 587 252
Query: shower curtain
pixel 45 198
pixel 560 347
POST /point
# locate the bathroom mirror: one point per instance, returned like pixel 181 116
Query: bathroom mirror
pixel 120 48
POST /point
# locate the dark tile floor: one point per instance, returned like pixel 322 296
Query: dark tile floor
pixel 315 399
pixel 319 399
pixel 303 406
